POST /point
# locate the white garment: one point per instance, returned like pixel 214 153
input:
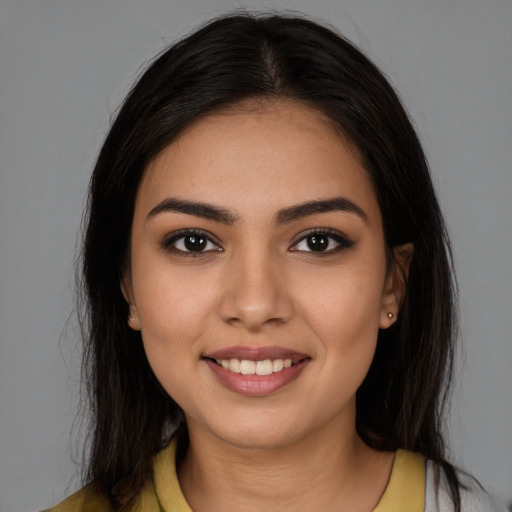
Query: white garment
pixel 473 499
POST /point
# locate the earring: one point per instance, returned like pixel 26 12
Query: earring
pixel 390 315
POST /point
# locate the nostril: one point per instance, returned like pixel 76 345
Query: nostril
pixel 254 298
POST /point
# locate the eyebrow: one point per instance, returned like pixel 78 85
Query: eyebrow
pixel 325 206
pixel 284 216
pixel 204 210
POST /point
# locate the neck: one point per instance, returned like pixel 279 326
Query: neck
pixel 337 473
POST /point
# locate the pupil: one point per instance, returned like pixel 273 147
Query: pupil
pixel 195 243
pixel 318 242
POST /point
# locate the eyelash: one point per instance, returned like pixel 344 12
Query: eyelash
pixel 169 242
pixel 342 242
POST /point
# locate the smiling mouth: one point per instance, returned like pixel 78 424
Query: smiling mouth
pixel 252 371
pixel 249 367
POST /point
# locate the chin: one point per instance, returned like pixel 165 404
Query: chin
pixel 252 430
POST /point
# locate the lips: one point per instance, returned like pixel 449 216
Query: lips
pixel 256 371
pixel 256 353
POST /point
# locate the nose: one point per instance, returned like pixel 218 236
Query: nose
pixel 254 294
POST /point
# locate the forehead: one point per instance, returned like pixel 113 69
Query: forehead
pixel 259 155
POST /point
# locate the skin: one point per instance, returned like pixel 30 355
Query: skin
pixel 258 284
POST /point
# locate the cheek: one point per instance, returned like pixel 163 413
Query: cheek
pixel 172 316
pixel 348 328
pixel 343 308
pixel 173 309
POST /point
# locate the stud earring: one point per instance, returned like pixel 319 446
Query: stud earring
pixel 390 315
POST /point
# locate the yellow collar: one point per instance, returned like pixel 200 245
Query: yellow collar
pixel 405 491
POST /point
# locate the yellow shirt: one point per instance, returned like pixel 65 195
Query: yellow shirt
pixel 405 491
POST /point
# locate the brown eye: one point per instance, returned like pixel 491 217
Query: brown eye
pixel 317 242
pixel 190 242
pixel 194 242
pixel 323 242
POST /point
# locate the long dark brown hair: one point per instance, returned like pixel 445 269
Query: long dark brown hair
pixel 401 402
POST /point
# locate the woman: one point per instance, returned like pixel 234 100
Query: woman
pixel 269 295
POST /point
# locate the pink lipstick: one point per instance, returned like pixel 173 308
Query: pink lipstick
pixel 256 371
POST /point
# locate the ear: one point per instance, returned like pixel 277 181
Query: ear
pixel 395 285
pixel 127 290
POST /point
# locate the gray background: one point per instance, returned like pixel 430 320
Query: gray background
pixel 64 67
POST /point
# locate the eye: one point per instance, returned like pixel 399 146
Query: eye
pixel 324 241
pixel 190 241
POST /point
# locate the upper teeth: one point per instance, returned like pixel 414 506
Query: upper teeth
pixel 246 367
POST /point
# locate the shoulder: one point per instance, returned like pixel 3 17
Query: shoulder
pixel 84 500
pixel 163 489
pixel 473 497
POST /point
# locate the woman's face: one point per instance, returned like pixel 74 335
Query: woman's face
pixel 257 243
